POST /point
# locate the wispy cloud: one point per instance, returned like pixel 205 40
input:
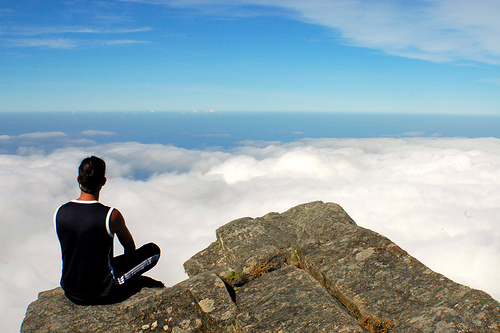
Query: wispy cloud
pixel 98 133
pixel 69 36
pixel 43 135
pixel 119 42
pixel 495 81
pixel 68 43
pixel 434 30
pixel 4 11
pixel 213 135
pixel 34 31
pixel 437 30
pixel 460 31
pixel 54 43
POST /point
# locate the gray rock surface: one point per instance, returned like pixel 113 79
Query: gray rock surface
pixel 310 269
pixel 168 309
pixel 295 302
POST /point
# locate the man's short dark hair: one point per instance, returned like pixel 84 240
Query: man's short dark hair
pixel 91 174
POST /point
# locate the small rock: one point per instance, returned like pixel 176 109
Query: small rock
pixel 185 324
pixel 207 305
pixel 198 323
pixel 365 254
pixel 177 329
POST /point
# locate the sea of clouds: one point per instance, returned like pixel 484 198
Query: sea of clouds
pixel 438 198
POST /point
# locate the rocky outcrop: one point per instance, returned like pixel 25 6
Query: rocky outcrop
pixel 310 269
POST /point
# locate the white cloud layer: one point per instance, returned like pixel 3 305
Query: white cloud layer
pixel 438 198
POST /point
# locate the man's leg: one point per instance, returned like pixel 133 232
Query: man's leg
pixel 127 270
pixel 130 265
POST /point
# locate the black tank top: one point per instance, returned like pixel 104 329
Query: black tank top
pixel 87 247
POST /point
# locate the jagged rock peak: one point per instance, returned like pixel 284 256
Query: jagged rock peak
pixel 309 269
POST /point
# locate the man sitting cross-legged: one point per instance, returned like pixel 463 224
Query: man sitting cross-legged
pixel 86 229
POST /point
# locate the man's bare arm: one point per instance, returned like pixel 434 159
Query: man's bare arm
pixel 118 227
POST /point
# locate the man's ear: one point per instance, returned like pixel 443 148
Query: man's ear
pixel 78 179
pixel 104 181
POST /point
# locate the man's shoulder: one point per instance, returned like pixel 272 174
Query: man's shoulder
pixel 63 205
pixel 76 204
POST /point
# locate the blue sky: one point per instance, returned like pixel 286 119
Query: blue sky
pixel 438 56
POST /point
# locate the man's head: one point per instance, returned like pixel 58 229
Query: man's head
pixel 92 174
